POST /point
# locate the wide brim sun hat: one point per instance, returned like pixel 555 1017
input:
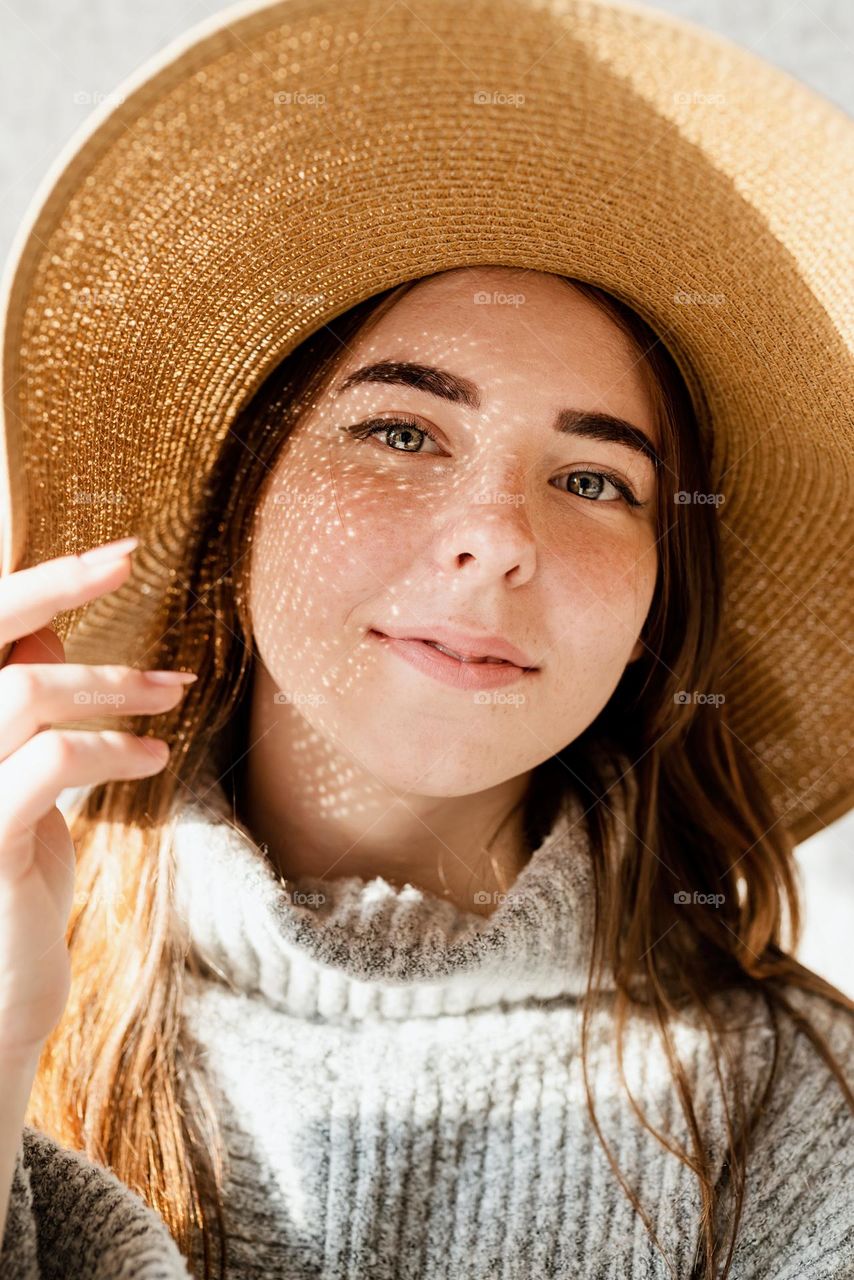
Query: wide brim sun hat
pixel 281 162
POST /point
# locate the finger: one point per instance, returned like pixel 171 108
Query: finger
pixel 36 695
pixel 31 598
pixel 33 777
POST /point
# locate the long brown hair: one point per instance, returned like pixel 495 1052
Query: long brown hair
pixel 116 1078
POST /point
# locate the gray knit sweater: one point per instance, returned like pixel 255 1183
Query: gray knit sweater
pixel 400 1090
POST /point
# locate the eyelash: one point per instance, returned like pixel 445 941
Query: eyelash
pixel 371 426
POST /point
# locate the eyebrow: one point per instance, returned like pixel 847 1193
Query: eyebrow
pixel 592 424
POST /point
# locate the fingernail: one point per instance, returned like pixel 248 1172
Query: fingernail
pixel 170 677
pixel 109 551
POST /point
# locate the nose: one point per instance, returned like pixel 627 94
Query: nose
pixel 491 537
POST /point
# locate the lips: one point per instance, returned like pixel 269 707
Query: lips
pixel 473 676
pixel 461 657
pixel 466 647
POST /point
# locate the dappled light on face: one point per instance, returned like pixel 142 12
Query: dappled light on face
pixel 455 554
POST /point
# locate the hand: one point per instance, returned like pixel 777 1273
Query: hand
pixel 37 762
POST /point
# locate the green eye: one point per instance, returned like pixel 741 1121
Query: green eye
pixel 410 432
pixel 590 486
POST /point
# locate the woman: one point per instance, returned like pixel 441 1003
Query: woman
pixel 415 963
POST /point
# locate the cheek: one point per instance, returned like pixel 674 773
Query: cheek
pixel 383 514
pixel 325 538
pixel 604 587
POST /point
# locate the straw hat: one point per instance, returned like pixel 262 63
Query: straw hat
pixel 282 162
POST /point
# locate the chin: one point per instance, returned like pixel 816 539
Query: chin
pixel 416 770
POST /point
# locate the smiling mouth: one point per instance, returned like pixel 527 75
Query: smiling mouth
pixel 468 660
pixel 434 644
pixel 450 667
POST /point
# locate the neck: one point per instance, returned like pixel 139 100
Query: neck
pixel 318 814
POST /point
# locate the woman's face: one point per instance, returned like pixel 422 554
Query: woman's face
pixel 498 528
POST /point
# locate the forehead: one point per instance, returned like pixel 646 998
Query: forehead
pixel 528 341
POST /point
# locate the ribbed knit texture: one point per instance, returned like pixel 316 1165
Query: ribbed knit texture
pixel 400 1093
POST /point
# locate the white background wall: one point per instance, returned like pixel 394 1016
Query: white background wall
pixel 60 57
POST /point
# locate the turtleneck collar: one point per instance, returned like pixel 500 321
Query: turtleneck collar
pixel 348 949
